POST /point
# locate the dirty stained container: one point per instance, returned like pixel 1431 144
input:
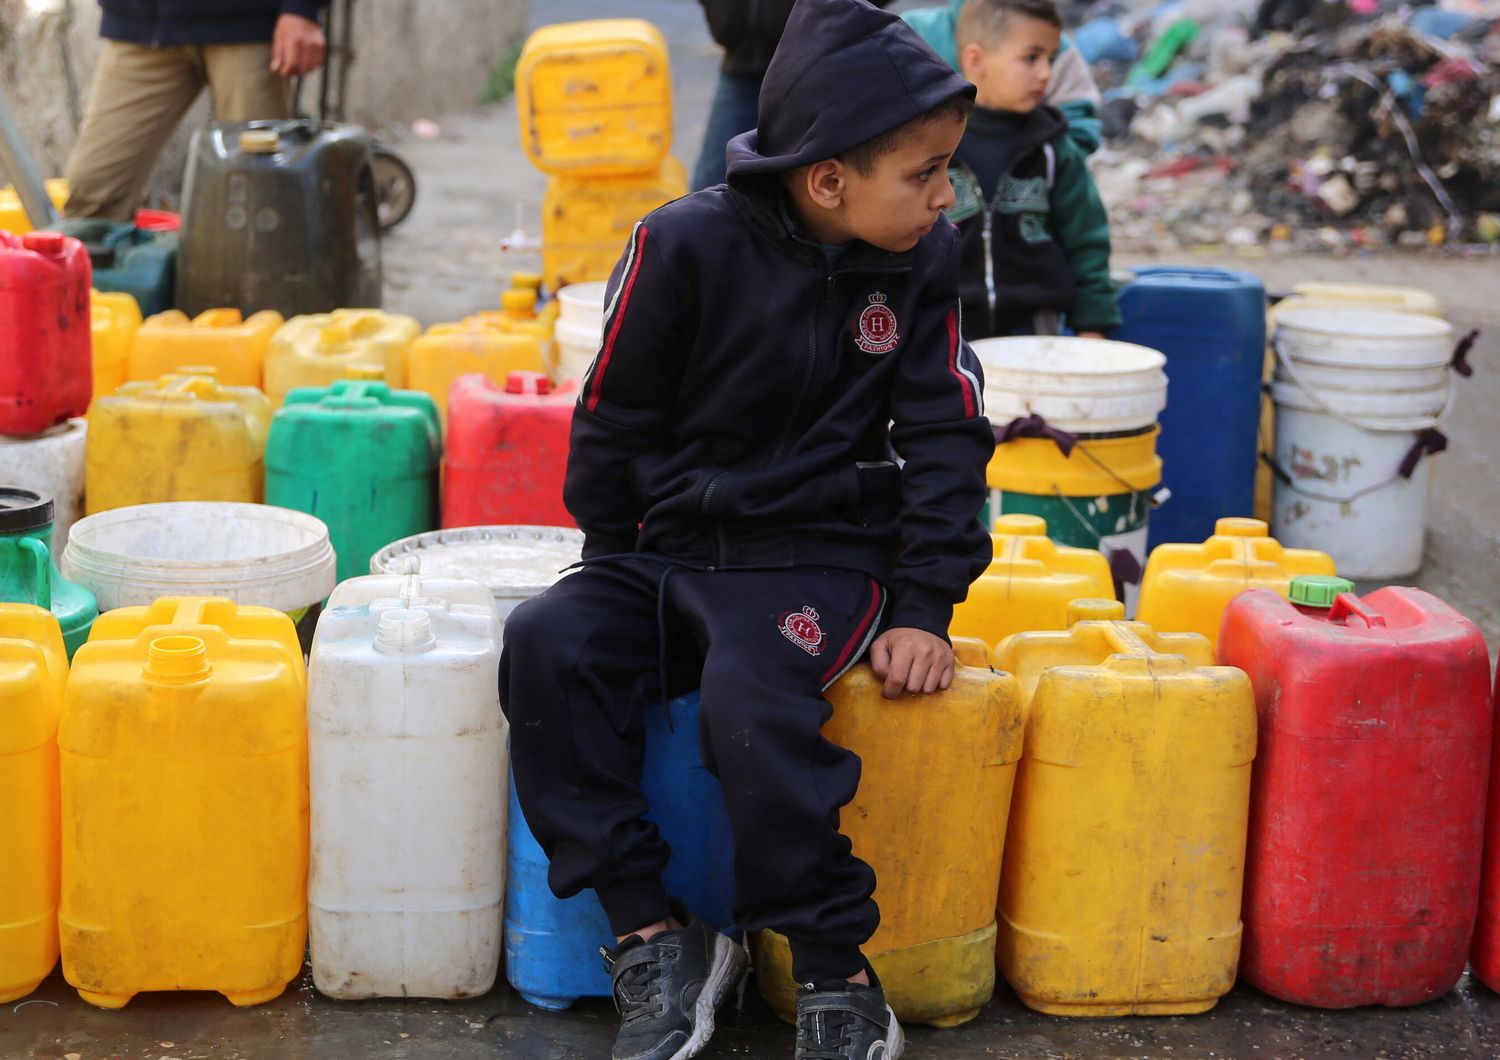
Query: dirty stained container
pixel 13 216
pixel 33 674
pixel 128 259
pixel 50 463
pixel 552 945
pixel 482 345
pixel 934 837
pixel 1484 957
pixel 1363 869
pixel 1187 587
pixel 221 339
pixel 587 221
pixel 594 98
pixel 1029 583
pixel 279 215
pixel 407 765
pixel 184 733
pixel 45 362
pixel 1211 325
pixel 115 318
pixel 319 349
pixel 1126 850
pixel 507 451
pixel 178 438
pixel 361 457
pixel 28 566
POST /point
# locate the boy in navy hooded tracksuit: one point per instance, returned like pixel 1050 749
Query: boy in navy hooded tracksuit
pixel 777 460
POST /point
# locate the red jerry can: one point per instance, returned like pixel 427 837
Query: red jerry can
pixel 1367 798
pixel 1484 959
pixel 46 368
pixel 507 450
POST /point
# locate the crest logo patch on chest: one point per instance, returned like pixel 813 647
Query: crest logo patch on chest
pixel 802 629
pixel 876 332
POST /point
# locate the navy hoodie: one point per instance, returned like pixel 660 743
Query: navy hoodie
pixel 755 404
pixel 165 23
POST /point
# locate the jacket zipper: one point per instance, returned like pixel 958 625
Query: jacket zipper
pixel 989 262
pixel 812 366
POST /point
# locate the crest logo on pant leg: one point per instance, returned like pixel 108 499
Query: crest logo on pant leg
pixel 802 629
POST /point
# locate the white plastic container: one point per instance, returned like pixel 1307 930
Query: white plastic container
pixel 579 331
pixel 1079 385
pixel 515 562
pixel 250 553
pixel 1354 387
pixel 52 463
pixel 407 767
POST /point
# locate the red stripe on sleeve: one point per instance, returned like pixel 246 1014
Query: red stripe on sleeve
pixel 619 319
pixel 970 407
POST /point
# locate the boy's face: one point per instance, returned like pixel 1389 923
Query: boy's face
pixel 1012 73
pixel 898 203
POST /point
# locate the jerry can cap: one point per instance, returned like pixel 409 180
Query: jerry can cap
pixel 1021 524
pixel 1318 590
pixel 260 141
pixel 1239 526
pixel 22 509
pixel 531 281
pixel 528 383
pixel 1088 609
pixel 49 243
pixel 517 300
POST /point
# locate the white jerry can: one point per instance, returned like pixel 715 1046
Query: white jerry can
pixel 408 759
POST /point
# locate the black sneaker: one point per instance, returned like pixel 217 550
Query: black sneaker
pixel 667 989
pixel 846 1021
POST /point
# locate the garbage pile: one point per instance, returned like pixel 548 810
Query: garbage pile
pixel 1298 123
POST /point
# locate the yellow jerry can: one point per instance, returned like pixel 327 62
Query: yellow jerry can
pixel 180 438
pixel 1186 587
pixel 221 339
pixel 481 343
pixel 13 217
pixel 319 349
pixel 586 222
pixel 184 803
pixel 595 98
pixel 1029 583
pixel 929 817
pixel 1125 858
pixel 971 651
pixel 33 674
pixel 115 317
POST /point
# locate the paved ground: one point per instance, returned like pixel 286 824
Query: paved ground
pixel 443 264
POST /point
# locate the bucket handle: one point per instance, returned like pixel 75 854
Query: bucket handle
pixel 1389 427
pixel 1460 362
pixel 41 570
pixel 1347 605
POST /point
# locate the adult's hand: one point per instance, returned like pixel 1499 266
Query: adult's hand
pixel 297 46
pixel 911 660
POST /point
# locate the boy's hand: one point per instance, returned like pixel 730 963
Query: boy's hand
pixel 1091 334
pixel 911 660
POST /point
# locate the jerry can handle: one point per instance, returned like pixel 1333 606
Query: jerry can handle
pixel 42 580
pixel 1347 604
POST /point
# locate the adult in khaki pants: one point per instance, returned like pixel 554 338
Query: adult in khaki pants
pixel 158 56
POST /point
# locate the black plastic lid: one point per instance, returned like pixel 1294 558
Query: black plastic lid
pixel 23 510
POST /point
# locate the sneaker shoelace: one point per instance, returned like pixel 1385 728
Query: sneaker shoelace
pixel 825 1036
pixel 638 992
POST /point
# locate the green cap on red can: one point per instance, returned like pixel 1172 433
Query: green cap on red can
pixel 1318 590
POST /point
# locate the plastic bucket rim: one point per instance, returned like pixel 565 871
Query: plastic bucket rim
pixel 1305 318
pixel 477 534
pixel 1149 360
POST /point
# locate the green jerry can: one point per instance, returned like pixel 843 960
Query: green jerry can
pixel 279 215
pixel 129 259
pixel 361 457
pixel 28 571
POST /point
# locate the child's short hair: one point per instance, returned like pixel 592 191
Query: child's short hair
pixel 987 21
pixel 864 157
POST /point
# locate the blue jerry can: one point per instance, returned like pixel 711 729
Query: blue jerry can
pixel 1211 325
pixel 552 946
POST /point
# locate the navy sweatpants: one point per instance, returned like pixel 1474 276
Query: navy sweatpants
pixel 581 661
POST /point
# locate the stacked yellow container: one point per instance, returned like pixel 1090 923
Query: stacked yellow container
pixel 1125 858
pixel 221 339
pixel 33 675
pixel 595 105
pixel 1187 587
pixel 930 818
pixel 1030 582
pixel 320 349
pixel 13 217
pixel 184 803
pixel 180 438
pixel 115 316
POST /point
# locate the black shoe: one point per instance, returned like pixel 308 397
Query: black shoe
pixel 667 989
pixel 846 1021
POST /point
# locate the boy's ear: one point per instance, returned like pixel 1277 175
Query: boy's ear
pixel 971 61
pixel 825 183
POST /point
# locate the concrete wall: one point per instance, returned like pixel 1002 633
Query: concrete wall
pixel 412 58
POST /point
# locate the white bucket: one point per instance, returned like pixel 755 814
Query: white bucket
pixel 515 562
pixel 580 328
pixel 252 553
pixel 52 463
pixel 1091 386
pixel 1353 388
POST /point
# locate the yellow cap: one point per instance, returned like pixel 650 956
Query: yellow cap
pixel 1089 610
pixel 518 301
pixel 177 659
pixel 1236 526
pixel 364 371
pixel 531 281
pixel 260 141
pixel 1024 525
pixel 334 336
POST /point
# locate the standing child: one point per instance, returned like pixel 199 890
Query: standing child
pixel 1035 234
pixel 778 463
